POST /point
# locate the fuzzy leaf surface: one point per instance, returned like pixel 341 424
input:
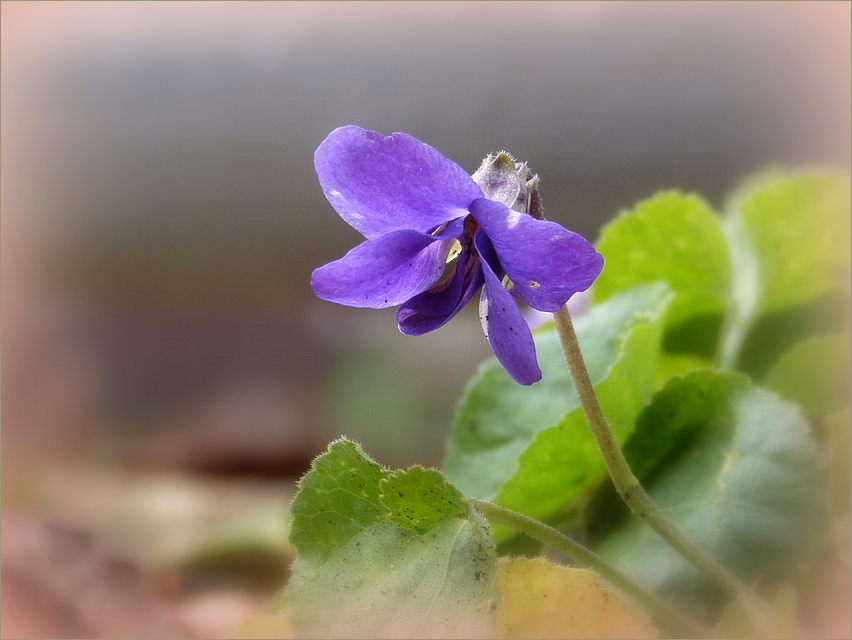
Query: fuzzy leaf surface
pixel 386 554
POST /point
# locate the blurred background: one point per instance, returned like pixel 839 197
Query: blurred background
pixel 167 371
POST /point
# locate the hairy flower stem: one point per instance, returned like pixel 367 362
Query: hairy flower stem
pixel 674 621
pixel 628 486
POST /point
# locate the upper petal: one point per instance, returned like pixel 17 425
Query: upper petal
pixel 380 184
pixel 505 327
pixel 437 306
pixel 383 272
pixel 546 263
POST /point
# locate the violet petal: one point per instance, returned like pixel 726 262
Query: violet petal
pixel 380 184
pixel 437 306
pixel 546 263
pixel 383 272
pixel 505 327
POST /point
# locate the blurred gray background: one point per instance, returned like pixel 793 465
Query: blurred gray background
pixel 161 216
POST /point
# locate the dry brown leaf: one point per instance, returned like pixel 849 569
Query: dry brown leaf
pixel 261 627
pixel 542 600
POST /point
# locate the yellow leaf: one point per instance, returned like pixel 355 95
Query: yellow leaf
pixel 542 600
pixel 266 626
pixel 737 622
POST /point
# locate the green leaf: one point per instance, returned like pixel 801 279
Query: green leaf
pixel 678 364
pixel 736 469
pixel 529 448
pixel 337 501
pixel 769 337
pixel 673 237
pixel 386 554
pixel 790 246
pixel 419 499
pixel 815 374
pixel 797 228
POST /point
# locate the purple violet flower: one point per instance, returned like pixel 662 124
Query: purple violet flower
pixel 419 211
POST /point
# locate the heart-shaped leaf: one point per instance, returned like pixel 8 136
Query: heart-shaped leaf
pixel 796 226
pixel 529 448
pixel 386 554
pixel 815 374
pixel 736 468
pixel 673 237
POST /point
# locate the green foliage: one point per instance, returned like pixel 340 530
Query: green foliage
pixel 528 448
pixel 815 374
pixel 769 337
pixel 790 246
pixel 336 502
pixel 419 499
pixel 783 244
pixel 763 291
pixel 733 466
pixel 797 226
pixel 672 237
pixel 386 554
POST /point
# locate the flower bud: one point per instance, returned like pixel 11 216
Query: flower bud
pixel 503 179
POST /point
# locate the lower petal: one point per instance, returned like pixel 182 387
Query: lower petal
pixel 437 306
pixel 507 331
pixel 383 272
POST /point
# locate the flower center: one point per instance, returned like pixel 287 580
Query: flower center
pixel 455 250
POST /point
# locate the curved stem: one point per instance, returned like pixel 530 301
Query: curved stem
pixel 672 619
pixel 625 482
